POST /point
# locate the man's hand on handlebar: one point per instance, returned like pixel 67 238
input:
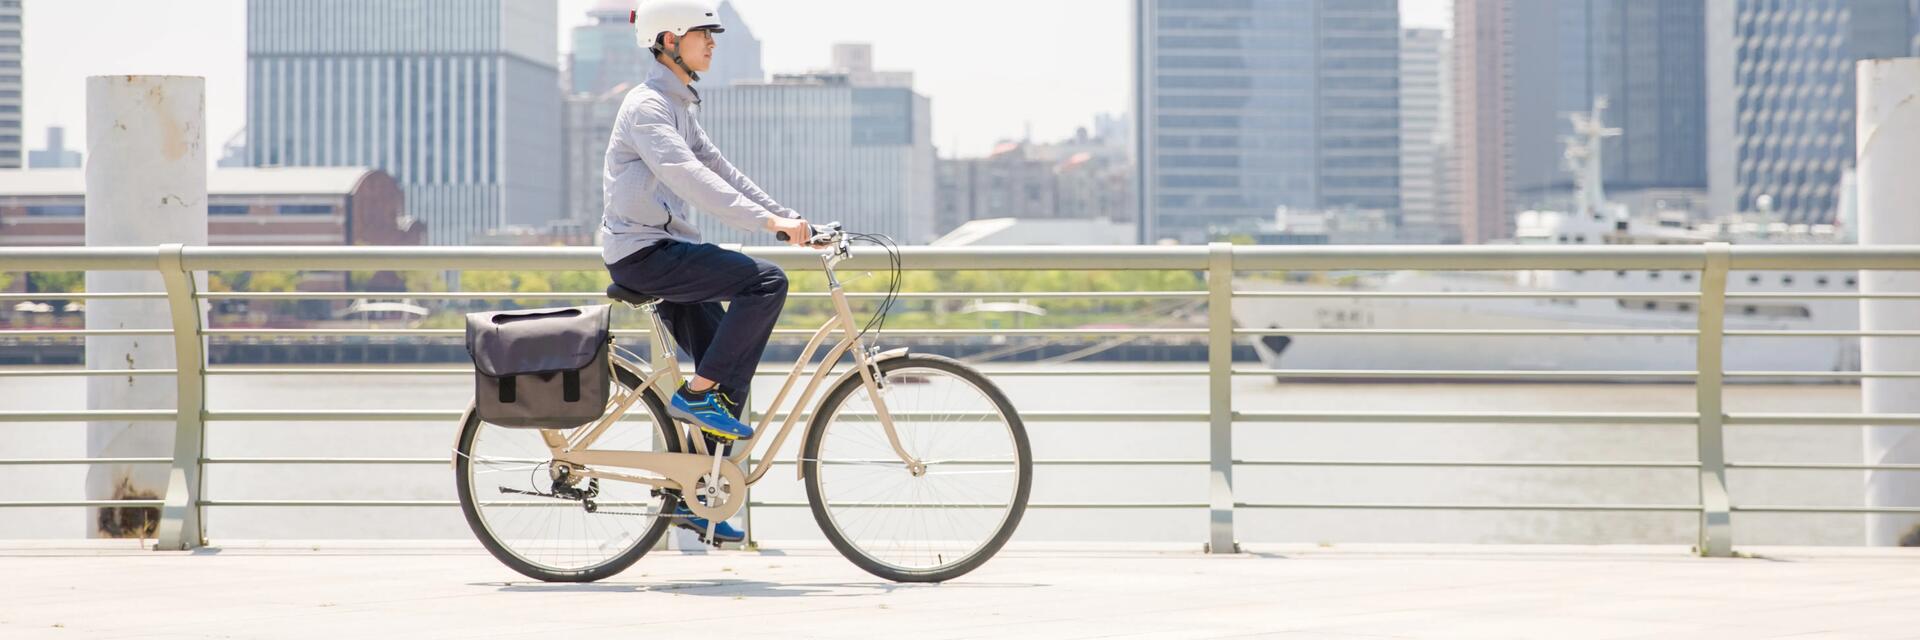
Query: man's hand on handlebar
pixel 793 231
pixel 816 236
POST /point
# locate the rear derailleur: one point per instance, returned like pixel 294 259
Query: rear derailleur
pixel 564 489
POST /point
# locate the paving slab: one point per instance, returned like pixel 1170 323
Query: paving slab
pixel 326 589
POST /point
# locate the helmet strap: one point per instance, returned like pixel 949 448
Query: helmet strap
pixel 673 51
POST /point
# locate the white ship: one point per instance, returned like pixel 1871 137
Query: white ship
pixel 1595 222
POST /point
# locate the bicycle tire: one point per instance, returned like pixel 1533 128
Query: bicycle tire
pixel 612 566
pixel 816 434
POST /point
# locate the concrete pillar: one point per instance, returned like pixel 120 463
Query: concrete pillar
pixel 146 185
pixel 1888 140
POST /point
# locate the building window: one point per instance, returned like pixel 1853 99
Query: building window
pixel 57 210
pixel 228 209
pixel 306 209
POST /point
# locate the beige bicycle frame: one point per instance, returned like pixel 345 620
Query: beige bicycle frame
pixel 682 471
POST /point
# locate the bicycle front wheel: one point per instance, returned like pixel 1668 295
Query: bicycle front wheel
pixel 927 525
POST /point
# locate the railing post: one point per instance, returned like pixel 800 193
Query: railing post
pixel 1220 399
pixel 1716 508
pixel 180 522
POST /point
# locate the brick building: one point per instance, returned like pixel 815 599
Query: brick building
pixel 282 206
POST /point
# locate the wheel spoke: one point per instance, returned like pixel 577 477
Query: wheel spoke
pixel 555 537
pixel 959 509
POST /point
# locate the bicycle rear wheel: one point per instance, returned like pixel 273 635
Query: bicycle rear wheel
pixel 501 474
pixel 951 517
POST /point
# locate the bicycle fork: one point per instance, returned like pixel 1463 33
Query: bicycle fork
pixel 871 379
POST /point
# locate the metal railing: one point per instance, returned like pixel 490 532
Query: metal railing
pixel 182 505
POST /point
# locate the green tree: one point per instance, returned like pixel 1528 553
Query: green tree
pixel 424 281
pixel 590 283
pixel 57 281
pixel 532 282
pixel 272 281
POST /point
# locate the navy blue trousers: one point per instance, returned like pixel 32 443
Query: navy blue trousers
pixel 692 280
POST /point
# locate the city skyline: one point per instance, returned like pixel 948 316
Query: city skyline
pixel 464 113
pixel 1251 109
pixel 208 38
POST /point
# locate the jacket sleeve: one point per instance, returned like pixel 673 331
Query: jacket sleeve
pixel 649 130
pixel 709 155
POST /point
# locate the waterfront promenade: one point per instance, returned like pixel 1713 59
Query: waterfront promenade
pixel 454 590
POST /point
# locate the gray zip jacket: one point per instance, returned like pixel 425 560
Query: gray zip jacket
pixel 660 166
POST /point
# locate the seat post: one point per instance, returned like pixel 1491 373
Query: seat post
pixel 663 346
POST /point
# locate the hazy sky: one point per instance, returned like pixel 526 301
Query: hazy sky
pixel 992 67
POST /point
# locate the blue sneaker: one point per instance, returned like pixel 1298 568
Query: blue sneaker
pixel 709 411
pixel 722 532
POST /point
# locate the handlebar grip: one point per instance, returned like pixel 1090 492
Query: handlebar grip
pixel 784 237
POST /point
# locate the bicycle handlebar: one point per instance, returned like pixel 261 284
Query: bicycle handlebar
pixel 822 234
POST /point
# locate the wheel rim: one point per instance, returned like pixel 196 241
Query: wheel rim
pixel 552 534
pixel 928 522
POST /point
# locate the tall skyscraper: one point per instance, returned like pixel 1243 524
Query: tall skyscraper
pixel 831 149
pixel 607 53
pixel 1245 107
pixel 1781 87
pixel 56 155
pixel 457 99
pixel 1426 117
pixel 12 89
pixel 1480 93
pixel 1521 66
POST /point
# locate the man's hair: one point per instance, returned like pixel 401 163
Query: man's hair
pixel 660 41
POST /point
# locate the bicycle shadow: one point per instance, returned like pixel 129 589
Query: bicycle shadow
pixel 735 588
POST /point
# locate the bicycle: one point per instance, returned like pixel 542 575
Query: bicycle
pixel 885 477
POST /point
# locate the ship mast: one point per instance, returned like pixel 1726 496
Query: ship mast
pixel 1583 157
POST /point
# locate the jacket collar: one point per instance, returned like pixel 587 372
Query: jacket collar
pixel 664 81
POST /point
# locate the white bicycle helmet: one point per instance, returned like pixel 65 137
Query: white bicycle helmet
pixel 677 17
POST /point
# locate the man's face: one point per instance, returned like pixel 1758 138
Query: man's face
pixel 697 49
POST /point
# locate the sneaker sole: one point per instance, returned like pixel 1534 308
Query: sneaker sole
pixel 702 534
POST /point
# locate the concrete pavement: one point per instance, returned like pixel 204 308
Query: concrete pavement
pixel 450 590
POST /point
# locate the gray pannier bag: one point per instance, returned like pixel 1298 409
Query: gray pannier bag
pixel 540 368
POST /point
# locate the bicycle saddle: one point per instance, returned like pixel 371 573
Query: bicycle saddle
pixel 629 296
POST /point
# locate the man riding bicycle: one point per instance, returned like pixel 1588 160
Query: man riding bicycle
pixel 660 166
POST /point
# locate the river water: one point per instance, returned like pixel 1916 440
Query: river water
pixel 1053 440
